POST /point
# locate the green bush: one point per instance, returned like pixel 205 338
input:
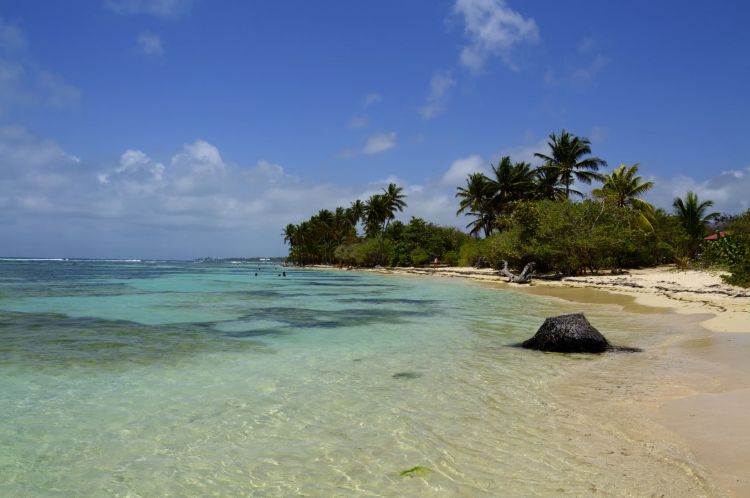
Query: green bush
pixel 470 252
pixel 740 273
pixel 738 256
pixel 571 237
pixel 372 252
pixel 419 257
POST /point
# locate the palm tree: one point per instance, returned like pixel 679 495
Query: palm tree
pixel 548 186
pixel 512 183
pixel 375 214
pixel 567 161
pixel 290 233
pixel 476 200
pixel 692 215
pixel 625 188
pixel 356 212
pixel 394 201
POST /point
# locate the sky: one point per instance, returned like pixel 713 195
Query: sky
pixel 176 129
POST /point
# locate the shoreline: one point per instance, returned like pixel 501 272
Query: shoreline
pixel 700 394
pixel 683 292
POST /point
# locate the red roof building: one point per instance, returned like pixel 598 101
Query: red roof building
pixel 716 236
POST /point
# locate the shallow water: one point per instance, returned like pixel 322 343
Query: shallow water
pixel 184 379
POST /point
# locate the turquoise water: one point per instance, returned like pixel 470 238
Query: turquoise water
pixel 186 379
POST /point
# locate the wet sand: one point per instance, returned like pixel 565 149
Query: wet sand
pixel 695 384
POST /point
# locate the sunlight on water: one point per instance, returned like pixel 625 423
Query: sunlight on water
pixel 151 379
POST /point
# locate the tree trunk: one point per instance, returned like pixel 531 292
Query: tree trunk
pixel 523 278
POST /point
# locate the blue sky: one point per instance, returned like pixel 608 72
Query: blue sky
pixel 178 128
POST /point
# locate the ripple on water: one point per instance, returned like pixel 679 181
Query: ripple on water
pixel 368 378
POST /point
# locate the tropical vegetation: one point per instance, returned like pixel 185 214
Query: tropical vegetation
pixel 521 213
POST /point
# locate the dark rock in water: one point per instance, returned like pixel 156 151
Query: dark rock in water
pixel 567 334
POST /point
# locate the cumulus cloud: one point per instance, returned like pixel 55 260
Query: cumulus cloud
pixel 459 169
pixel 165 9
pixel 195 192
pixel 729 190
pixel 379 142
pixel 493 29
pixel 150 44
pixel 440 85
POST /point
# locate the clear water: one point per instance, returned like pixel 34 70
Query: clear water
pixel 183 379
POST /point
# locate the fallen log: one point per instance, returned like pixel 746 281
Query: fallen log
pixel 523 278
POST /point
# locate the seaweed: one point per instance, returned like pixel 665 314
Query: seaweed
pixel 417 471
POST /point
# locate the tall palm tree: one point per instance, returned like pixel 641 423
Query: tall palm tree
pixel 356 211
pixel 375 214
pixel 693 216
pixel 476 200
pixel 567 160
pixel 512 182
pixel 548 186
pixel 393 197
pixel 625 189
pixel 290 232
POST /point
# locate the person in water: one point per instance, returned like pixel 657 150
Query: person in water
pixel 283 273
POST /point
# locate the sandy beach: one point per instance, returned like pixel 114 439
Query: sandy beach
pixel 690 291
pixel 693 391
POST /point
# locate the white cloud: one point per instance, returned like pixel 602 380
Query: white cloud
pixel 493 29
pixel 200 157
pixel 273 173
pixel 729 190
pixel 166 9
pixel 150 44
pixel 380 142
pixel 371 98
pixel 440 84
pixel 459 169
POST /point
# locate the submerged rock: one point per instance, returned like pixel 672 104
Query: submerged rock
pixel 417 471
pixel 406 375
pixel 567 334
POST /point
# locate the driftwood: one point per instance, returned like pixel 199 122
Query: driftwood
pixel 523 278
pixel 549 276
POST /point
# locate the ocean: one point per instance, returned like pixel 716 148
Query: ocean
pixel 138 378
